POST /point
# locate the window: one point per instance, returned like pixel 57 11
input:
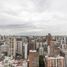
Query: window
pixel 53 63
pixel 59 64
pixel 35 62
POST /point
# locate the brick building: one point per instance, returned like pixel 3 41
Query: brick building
pixel 33 58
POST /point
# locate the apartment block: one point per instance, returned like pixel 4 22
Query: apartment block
pixel 33 58
pixel 55 61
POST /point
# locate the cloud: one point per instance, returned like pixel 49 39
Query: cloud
pixel 42 15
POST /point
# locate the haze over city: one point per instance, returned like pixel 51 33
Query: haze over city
pixel 25 17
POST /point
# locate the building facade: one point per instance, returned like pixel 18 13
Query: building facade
pixel 55 61
pixel 33 58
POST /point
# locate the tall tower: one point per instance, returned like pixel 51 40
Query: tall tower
pixel 49 39
pixel 41 49
pixel 33 58
pixel 25 45
pixel 15 46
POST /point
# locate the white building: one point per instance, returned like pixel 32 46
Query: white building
pixel 25 49
pixel 5 49
pixel 41 49
pixel 25 63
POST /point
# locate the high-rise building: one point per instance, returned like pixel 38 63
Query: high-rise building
pixel 4 49
pixel 10 40
pixel 55 61
pixel 33 58
pixel 49 39
pixel 64 49
pixel 25 50
pixel 37 45
pixel 54 49
pixel 41 49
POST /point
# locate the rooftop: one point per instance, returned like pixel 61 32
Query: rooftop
pixel 32 51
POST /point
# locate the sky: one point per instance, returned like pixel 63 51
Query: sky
pixel 35 17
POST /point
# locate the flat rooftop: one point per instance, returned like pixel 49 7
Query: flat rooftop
pixel 32 51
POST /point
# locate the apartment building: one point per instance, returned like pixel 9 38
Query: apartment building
pixel 55 61
pixel 33 58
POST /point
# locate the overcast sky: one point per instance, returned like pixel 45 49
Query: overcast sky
pixel 30 16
